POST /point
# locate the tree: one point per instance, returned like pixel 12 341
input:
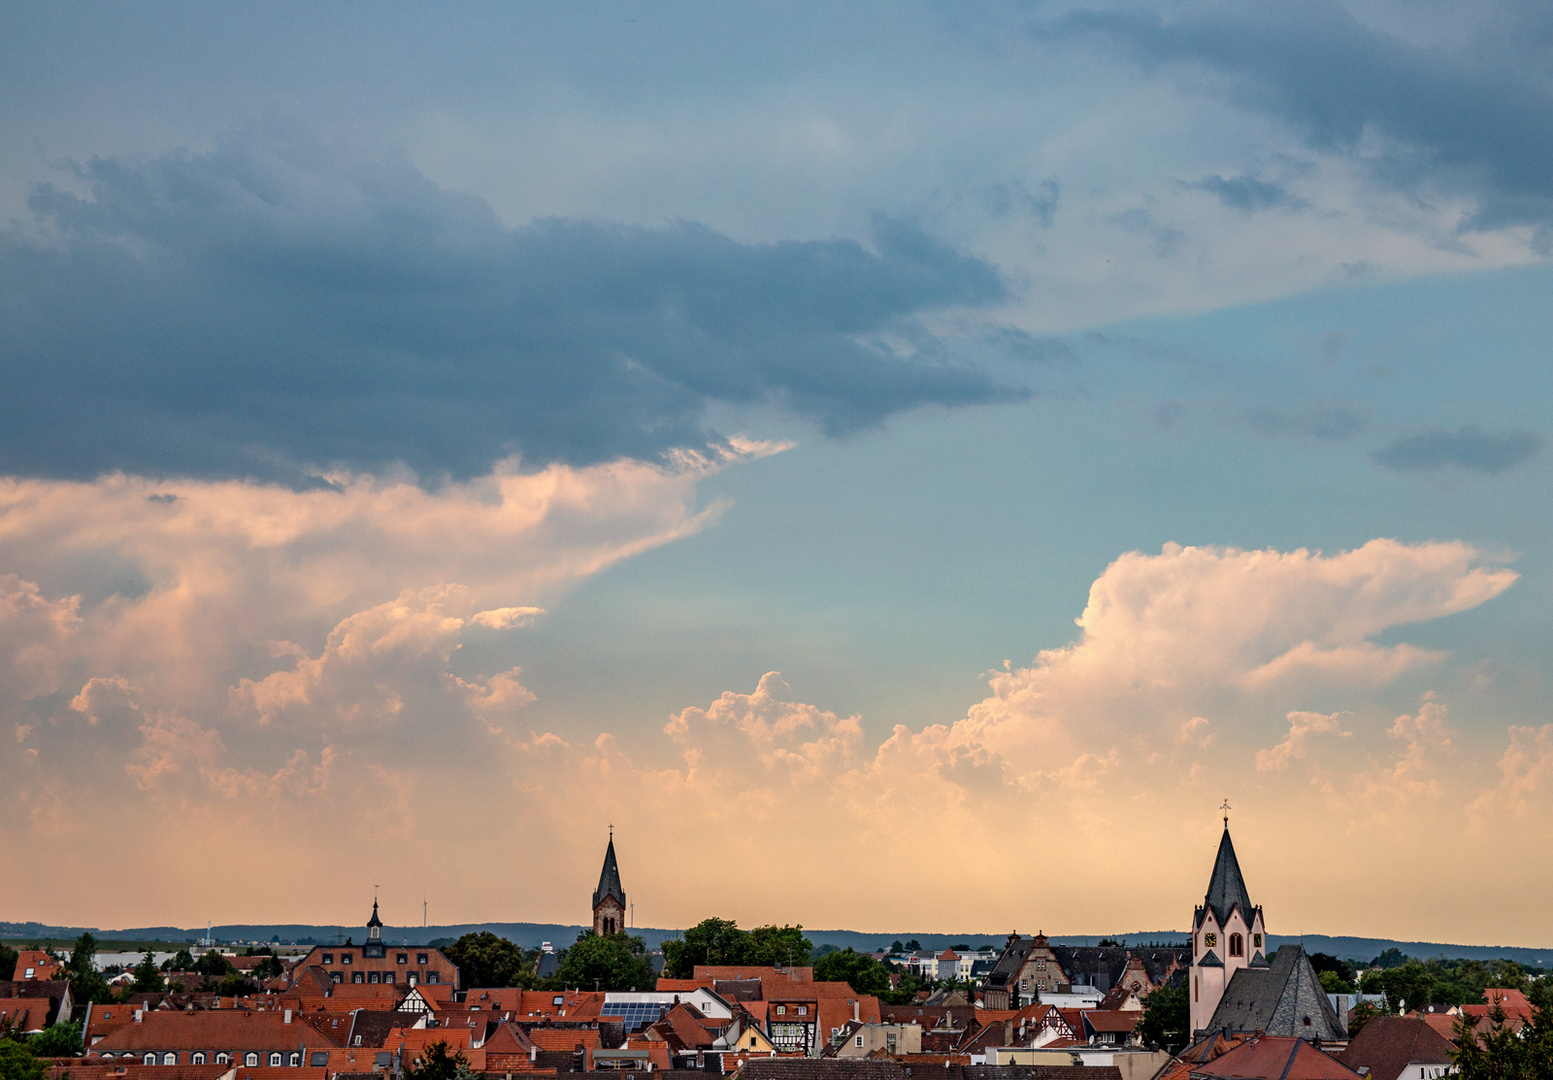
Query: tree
pixel 484 959
pixel 710 941
pixel 1500 1053
pixel 57 1040
pixel 437 1063
pixel 182 960
pixel 607 962
pixel 268 968
pixel 213 965
pixel 774 946
pixel 1333 983
pixel 86 982
pixel 897 947
pixel 8 958
pixel 1166 1017
pixel 913 945
pixel 858 970
pixel 1392 957
pixel 148 977
pixel 17 1062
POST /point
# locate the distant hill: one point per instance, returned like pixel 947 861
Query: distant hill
pixel 530 935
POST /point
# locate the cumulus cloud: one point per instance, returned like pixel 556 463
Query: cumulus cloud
pixel 379 731
pixel 276 308
pixel 1303 726
pixel 1467 447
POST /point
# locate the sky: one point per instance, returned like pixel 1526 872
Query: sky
pixel 902 466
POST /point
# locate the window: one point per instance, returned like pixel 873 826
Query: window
pixel 29 973
pixel 752 1042
pixel 150 1059
pixel 275 1060
pixel 1040 965
pixel 1237 945
pixel 373 977
pixel 858 1041
pixel 420 958
pixel 319 1058
pixel 803 1010
pixel 328 957
pixel 345 958
pixel 337 976
pixel 781 1010
pixel 251 1060
pixel 296 1058
pixel 559 1000
pixel 1307 1021
pixel 432 976
pixel 404 958
pixel 357 976
pixel 388 976
pixel 198 1058
pixel 223 1057
pixel 169 1058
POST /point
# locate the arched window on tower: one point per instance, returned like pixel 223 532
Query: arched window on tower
pixel 1237 945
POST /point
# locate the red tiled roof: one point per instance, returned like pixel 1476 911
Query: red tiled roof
pixel 1115 1021
pixel 1275 1057
pixel 23 1014
pixel 43 965
pixel 212 1030
pixel 1388 1044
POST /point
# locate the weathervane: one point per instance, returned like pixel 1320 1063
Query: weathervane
pixel 1226 808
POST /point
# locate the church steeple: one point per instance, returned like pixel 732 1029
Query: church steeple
pixel 609 899
pixel 374 924
pixel 1228 934
pixel 1226 886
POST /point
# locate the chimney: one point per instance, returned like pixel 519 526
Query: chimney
pixel 137 1015
pixel 855 1008
pixel 288 1016
pixel 533 1053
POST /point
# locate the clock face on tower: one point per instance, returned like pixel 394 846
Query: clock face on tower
pixel 1210 940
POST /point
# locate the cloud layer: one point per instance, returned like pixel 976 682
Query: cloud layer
pixel 1192 678
pixel 277 308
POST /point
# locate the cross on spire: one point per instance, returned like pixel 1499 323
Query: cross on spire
pixel 1226 808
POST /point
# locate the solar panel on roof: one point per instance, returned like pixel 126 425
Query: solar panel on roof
pixel 636 1015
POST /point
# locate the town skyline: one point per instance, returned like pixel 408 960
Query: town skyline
pixel 899 464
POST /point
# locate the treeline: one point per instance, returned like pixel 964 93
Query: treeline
pixel 622 962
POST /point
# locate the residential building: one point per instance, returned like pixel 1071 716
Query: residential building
pixel 1400 1048
pixel 374 962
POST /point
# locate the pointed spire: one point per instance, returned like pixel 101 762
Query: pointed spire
pixel 609 877
pixel 1226 887
pixel 374 924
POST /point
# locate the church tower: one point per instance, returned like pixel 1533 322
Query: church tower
pixel 374 946
pixel 1227 933
pixel 609 899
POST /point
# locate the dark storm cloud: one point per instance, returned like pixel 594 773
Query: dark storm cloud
pixel 1467 447
pixel 1479 118
pixel 274 307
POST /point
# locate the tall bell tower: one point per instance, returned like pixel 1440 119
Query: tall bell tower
pixel 609 899
pixel 1227 932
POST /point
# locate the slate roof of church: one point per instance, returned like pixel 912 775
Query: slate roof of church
pixel 1276 1000
pixel 1226 887
pixel 609 879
